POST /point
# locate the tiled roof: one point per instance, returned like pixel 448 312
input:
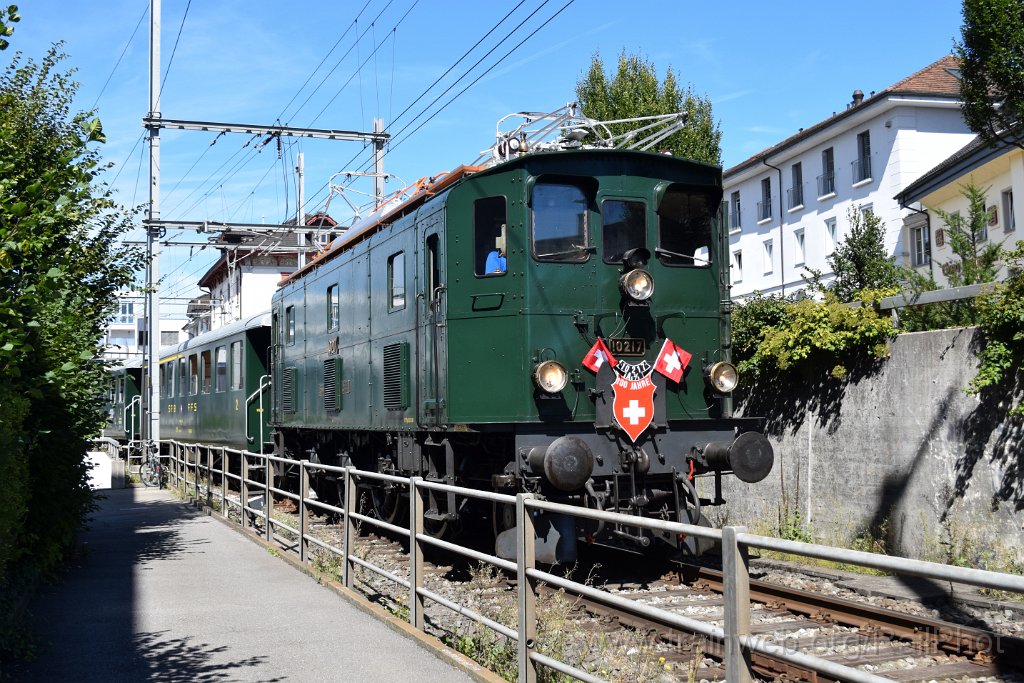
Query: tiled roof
pixel 935 80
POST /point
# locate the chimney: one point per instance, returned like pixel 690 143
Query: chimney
pixel 858 97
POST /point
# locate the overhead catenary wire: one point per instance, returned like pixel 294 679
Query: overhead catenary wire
pixel 127 44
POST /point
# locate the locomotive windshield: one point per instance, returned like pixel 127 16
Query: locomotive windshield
pixel 624 226
pixel 684 227
pixel 560 223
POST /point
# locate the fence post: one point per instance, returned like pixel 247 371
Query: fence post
pixel 224 482
pixel 736 581
pixel 303 511
pixel 268 505
pixel 417 503
pixel 244 488
pixel 209 477
pixel 350 526
pixel 527 590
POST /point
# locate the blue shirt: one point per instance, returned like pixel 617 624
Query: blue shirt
pixel 496 263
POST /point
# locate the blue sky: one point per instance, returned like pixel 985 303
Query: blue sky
pixel 769 69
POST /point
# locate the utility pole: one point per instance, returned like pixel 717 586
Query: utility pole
pixel 150 386
pixel 300 212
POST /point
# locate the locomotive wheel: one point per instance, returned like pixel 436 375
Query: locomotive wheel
pixel 389 504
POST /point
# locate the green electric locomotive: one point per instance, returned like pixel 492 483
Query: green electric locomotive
pixel 554 323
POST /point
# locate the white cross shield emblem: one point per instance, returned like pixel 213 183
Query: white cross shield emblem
pixel 633 406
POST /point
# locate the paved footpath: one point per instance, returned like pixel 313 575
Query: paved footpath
pixel 165 593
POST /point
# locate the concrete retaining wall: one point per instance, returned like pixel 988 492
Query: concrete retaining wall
pixel 899 449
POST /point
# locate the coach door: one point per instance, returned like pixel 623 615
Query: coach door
pixel 430 341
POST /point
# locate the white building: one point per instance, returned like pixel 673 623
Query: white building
pixel 243 280
pixel 998 171
pixel 125 336
pixel 788 205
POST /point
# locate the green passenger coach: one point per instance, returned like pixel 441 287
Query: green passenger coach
pixel 555 323
pixel 214 388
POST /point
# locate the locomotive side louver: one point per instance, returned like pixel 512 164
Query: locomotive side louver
pixel 288 390
pixel 332 385
pixel 396 376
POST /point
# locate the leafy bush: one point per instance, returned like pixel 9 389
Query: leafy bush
pixel 1001 322
pixel 773 335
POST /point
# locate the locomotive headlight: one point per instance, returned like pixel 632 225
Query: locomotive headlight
pixel 550 376
pixel 723 377
pixel 638 284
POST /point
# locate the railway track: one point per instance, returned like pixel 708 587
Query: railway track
pixel 621 646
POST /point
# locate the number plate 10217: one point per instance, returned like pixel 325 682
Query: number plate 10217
pixel 626 346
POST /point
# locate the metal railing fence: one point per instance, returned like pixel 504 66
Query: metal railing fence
pixel 190 464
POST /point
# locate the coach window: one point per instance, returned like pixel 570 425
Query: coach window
pixel 333 308
pixel 182 377
pixel 193 375
pixel 289 314
pixel 490 221
pixel 396 281
pixel 623 226
pixel 684 227
pixel 207 357
pixel 560 230
pixel 222 369
pixel 163 381
pixel 236 365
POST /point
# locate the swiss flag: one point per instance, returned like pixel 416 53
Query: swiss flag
pixel 597 355
pixel 672 361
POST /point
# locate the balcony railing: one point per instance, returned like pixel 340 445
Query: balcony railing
pixel 861 169
pixel 764 210
pixel 826 184
pixel 795 196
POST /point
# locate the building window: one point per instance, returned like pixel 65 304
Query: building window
pixel 396 281
pixel 831 234
pixel 796 193
pixel 768 260
pixel 764 207
pixel 289 317
pixel 737 265
pixel 1009 224
pixel 222 369
pixel 333 308
pixel 734 211
pixel 866 211
pixel 827 179
pixel 862 164
pixel 126 314
pixel 920 248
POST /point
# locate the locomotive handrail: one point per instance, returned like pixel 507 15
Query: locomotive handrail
pixel 735 633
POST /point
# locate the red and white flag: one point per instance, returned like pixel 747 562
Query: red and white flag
pixel 597 356
pixel 672 361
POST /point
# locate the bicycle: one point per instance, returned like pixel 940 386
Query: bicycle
pixel 151 472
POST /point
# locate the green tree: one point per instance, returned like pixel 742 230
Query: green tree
pixel 977 259
pixel 992 69
pixel 1001 325
pixel 635 91
pixel 60 270
pixel 860 261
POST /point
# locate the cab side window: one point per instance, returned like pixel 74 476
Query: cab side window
pixel 490 230
pixel 684 227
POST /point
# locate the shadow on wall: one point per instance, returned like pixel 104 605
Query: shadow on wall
pixel 990 419
pixel 785 399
